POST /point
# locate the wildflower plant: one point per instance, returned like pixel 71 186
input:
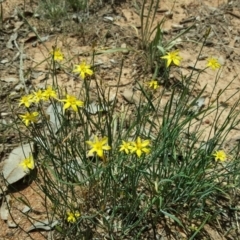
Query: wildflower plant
pixel 154 168
pixel 96 163
pixel 153 42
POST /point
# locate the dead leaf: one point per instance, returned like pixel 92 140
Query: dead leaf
pixel 36 74
pixel 31 37
pixel 44 225
pixel 26 209
pixel 19 87
pixel 13 38
pixel 11 223
pixel 17 25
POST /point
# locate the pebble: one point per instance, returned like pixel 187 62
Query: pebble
pixel 19 87
pixel 124 45
pixel 221 60
pixel 4 61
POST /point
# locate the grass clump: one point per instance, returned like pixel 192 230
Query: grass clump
pixel 59 10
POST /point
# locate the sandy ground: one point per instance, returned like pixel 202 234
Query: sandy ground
pixel 124 31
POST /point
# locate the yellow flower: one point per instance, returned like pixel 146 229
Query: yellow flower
pixel 140 146
pixel 71 101
pixel 98 146
pixel 220 155
pixel 213 63
pixel 72 216
pixel 27 163
pixel 38 96
pixel 29 117
pixel 125 146
pixel 153 84
pixel 173 57
pixel 26 100
pixel 57 55
pixel 83 69
pixel 49 92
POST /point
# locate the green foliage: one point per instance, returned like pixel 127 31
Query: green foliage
pixel 152 38
pixel 56 10
pixel 120 194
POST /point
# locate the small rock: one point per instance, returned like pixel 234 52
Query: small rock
pixel 26 209
pixel 113 61
pixel 202 57
pixel 124 45
pixel 4 212
pixel 4 61
pixel 98 63
pixel 212 9
pixel 229 51
pixel 11 224
pixel 165 31
pixel 169 14
pixel 177 26
pixel 112 97
pixel 130 97
pixel 13 95
pixel 19 87
pixel 198 18
pixel 106 66
pixel 4 114
pixel 221 60
pixel 108 19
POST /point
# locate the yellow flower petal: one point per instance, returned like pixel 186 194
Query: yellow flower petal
pixel 83 69
pixel 72 102
pixel 57 55
pixel 29 117
pixel 28 163
pixel 139 146
pixel 97 146
pixel 220 155
pixel 174 57
pixel 213 63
